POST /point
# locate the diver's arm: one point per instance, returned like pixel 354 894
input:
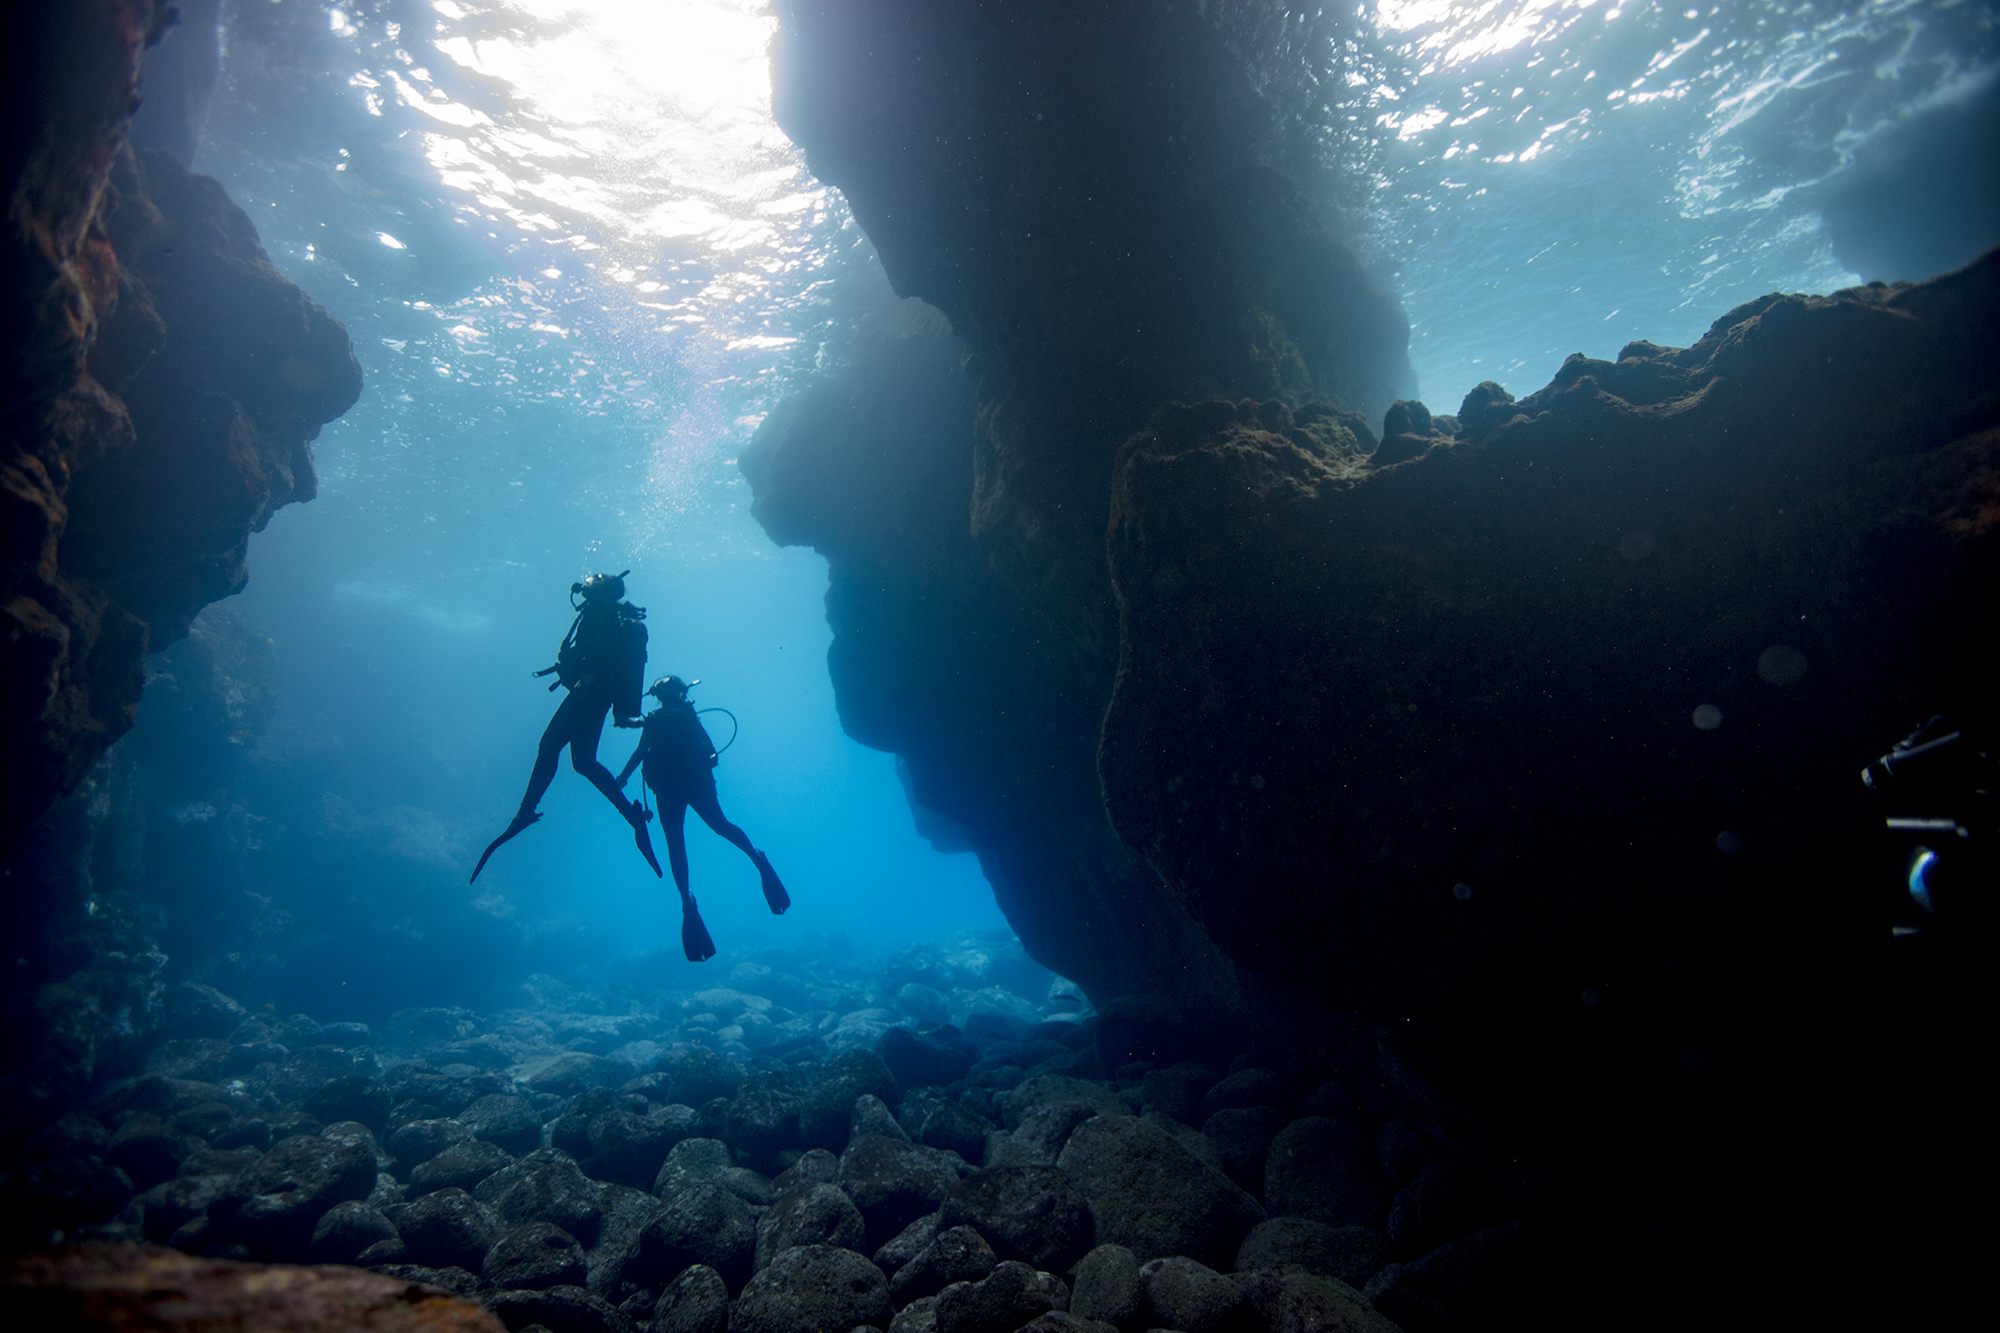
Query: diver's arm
pixel 638 756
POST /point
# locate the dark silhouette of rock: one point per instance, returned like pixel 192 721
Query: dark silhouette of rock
pixel 1350 1254
pixel 1321 1169
pixel 1033 1213
pixel 534 1256
pixel 507 1122
pixel 346 1230
pixel 894 1183
pixel 559 1310
pixel 273 1205
pixel 1149 1194
pixel 959 1254
pixel 166 384
pixel 1007 1298
pixel 704 1224
pixel 1192 1297
pixel 462 1166
pixel 811 1288
pixel 446 1229
pixel 1107 1286
pixel 816 1214
pixel 545 1186
pixel 695 1302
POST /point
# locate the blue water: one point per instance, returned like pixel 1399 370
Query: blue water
pixel 579 262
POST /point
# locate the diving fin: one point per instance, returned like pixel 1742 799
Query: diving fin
pixel 638 817
pixel 774 891
pixel 521 821
pixel 695 942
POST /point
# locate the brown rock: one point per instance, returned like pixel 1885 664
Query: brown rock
pixel 143 1286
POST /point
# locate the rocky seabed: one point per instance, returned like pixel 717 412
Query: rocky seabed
pixel 786 1154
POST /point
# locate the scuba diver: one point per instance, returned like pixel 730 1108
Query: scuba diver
pixel 601 662
pixel 679 760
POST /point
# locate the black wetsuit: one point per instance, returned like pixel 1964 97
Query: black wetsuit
pixel 598 649
pixel 602 661
pixel 678 762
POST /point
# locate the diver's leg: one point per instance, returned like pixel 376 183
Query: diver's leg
pixel 583 740
pixel 672 813
pixel 696 942
pixel 547 755
pixel 710 809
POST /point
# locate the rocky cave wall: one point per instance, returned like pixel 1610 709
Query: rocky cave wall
pixel 1102 238
pixel 165 384
pixel 1403 733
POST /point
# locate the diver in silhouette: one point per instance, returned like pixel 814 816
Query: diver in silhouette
pixel 601 662
pixel 679 760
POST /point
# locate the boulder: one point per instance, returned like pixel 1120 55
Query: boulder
pixel 695 1302
pixel 1149 1194
pixel 1039 1137
pixel 350 1097
pixel 697 1077
pixel 1107 1286
pixel 1177 1094
pixel 463 1166
pixel 534 1256
pixel 1302 1303
pixel 1242 1138
pixel 1321 1169
pixel 825 1108
pixel 509 1122
pixel 920 1060
pixel 446 1229
pixel 417 1141
pixel 704 1224
pixel 1475 1281
pixel 694 1162
pixel 129 1287
pixel 764 1117
pixel 558 1310
pixel 959 1254
pixel 894 1183
pixel 171 1203
pixel 817 1214
pixel 813 1289
pixel 1058 1090
pixel 346 1230
pixel 871 1115
pixel 1255 1086
pixel 545 1186
pixel 1030 1213
pixel 908 1243
pixel 815 1167
pixel 1192 1297
pixel 1005 1299
pixel 1350 1254
pixel 630 1148
pixel 953 1128
pixel 273 1205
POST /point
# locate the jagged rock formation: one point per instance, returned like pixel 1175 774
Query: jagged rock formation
pixel 1102 239
pixel 165 383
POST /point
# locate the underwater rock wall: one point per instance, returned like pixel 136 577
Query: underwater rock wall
pixel 165 383
pixel 1539 748
pixel 1102 238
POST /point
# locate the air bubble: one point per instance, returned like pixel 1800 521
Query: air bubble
pixel 1708 717
pixel 1728 843
pixel 1462 891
